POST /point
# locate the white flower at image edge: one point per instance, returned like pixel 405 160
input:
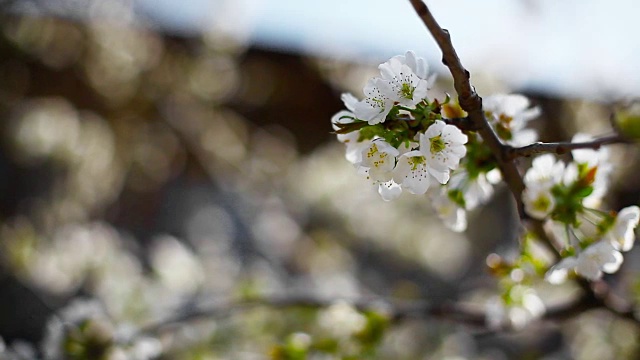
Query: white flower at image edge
pixel 443 147
pixel 622 234
pixel 590 263
pixel 354 147
pixel 406 75
pixel 377 103
pixel 411 172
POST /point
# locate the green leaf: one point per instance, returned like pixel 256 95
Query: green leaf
pixel 584 192
pixel 370 131
pixel 457 196
pixel 345 128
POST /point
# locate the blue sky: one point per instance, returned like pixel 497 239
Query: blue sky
pixel 578 48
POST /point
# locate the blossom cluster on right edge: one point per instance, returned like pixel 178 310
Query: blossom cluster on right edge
pixel 569 195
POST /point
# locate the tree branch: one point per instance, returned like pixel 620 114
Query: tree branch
pixel 471 102
pixel 506 155
pixel 397 311
pixel 561 147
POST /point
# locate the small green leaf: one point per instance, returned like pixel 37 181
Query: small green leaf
pixel 345 128
pixel 584 192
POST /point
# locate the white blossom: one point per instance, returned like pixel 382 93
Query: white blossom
pixel 377 103
pixel 538 201
pixel 341 319
pixel 452 215
pixel 527 306
pixel 443 147
pixel 622 233
pixel 587 156
pixel 544 172
pixel 389 190
pixel 590 263
pixel 411 172
pixel 380 158
pixel 475 191
pixel 353 146
pixel 407 77
pixel 594 159
pixel 509 114
pixel 76 313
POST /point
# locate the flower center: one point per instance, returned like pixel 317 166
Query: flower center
pixel 542 203
pixel 407 91
pixel 437 144
pixel 506 120
pixel 416 161
pixel 372 150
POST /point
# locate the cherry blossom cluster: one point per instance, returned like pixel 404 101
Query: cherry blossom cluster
pixel 395 136
pixel 401 140
pixel 570 195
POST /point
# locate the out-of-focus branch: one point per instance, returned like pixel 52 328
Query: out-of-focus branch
pixel 562 147
pixel 397 311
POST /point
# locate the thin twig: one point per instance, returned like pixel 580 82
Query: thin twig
pixel 562 147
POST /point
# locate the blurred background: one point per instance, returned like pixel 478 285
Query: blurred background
pixel 158 155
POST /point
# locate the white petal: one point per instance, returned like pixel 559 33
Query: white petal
pixel 558 273
pixel 453 134
pixel 349 101
pixel 441 176
pixel 434 130
pixel 626 222
pixel 589 270
pixel 389 190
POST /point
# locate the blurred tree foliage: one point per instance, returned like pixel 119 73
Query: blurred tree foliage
pixel 151 174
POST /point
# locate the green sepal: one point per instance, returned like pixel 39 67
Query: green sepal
pixel 457 196
pixel 345 128
pixel 584 191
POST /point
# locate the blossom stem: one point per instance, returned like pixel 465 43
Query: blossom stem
pixel 596 211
